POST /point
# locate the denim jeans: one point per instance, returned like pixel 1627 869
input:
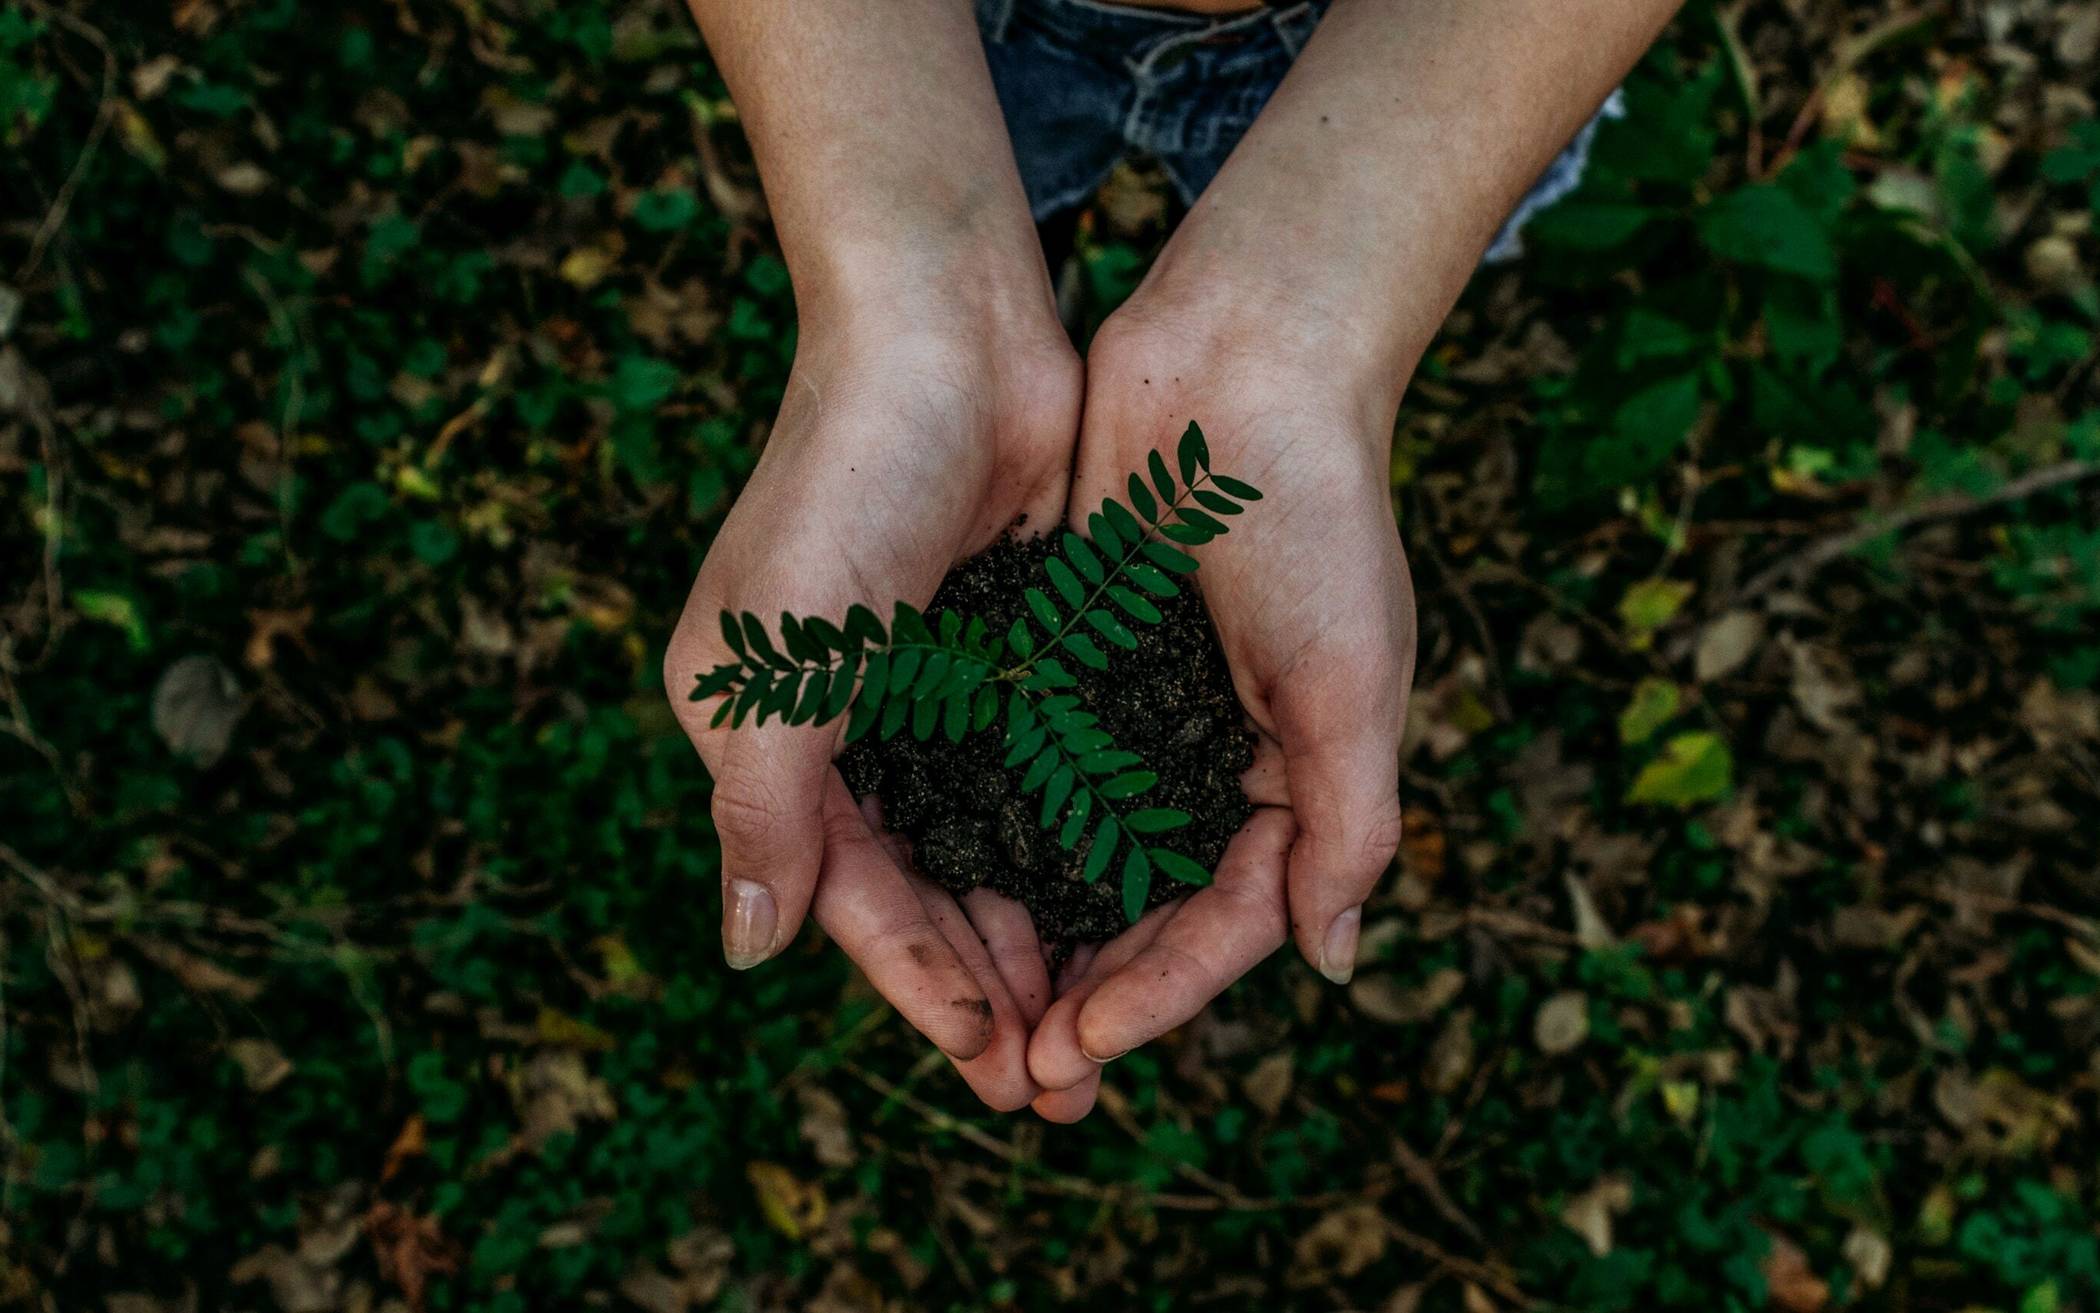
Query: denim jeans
pixel 1084 83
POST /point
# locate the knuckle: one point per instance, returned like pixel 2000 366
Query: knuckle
pixel 746 811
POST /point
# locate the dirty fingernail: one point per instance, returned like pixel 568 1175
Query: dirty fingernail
pixel 1101 1061
pixel 1338 954
pixel 747 924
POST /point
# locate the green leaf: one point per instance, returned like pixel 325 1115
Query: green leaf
pixel 1191 516
pixel 1055 793
pixel 935 670
pixel 1101 851
pixel 722 713
pixel 732 634
pixel 1104 534
pixel 1137 883
pixel 1692 769
pixel 719 680
pixel 875 684
pixel 1151 580
pixel 761 646
pixel 986 710
pixel 1135 604
pixel 1046 613
pixel 1081 646
pixel 1766 225
pixel 1218 502
pixel 814 687
pixel 825 635
pixel 1025 746
pixel 1648 606
pixel 1066 583
pixel 1192 452
pixel 863 627
pixel 903 667
pixel 1179 867
pixel 1234 487
pixel 1018 638
pixel 862 720
pixel 1126 526
pixel 1104 762
pixel 893 715
pixel 1075 820
pixel 1054 673
pixel 1039 771
pixel 1128 785
pixel 1162 482
pixel 955 717
pixel 1156 820
pixel 1653 704
pixel 1112 629
pixel 1587 225
pixel 1188 535
pixel 1170 558
pixel 841 687
pixel 1083 558
pixel 798 643
pixel 1142 500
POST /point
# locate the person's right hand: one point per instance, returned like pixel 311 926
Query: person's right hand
pixel 908 440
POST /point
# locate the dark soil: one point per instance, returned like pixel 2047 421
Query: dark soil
pixel 968 823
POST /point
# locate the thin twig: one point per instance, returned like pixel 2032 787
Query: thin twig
pixel 1798 567
pixel 105 111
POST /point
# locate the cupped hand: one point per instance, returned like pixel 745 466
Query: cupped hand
pixel 898 451
pixel 1312 602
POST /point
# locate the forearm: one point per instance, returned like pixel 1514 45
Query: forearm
pixel 1362 197
pixel 881 146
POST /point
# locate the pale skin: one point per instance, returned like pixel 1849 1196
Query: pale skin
pixel 934 399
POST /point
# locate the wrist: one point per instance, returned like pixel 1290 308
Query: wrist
pixel 1268 324
pixel 1284 307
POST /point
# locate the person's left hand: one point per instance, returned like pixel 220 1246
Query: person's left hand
pixel 1312 602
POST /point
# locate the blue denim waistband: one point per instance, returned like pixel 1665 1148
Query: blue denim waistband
pixel 1096 23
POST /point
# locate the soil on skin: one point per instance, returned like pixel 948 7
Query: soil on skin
pixel 967 821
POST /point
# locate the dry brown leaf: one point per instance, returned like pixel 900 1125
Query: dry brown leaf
pixel 263 1065
pixel 1340 1245
pixel 1792 1285
pixel 1726 643
pixel 824 1127
pixel 1590 1213
pixel 1381 997
pixel 1269 1084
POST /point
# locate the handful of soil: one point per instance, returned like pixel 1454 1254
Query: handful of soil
pixel 964 814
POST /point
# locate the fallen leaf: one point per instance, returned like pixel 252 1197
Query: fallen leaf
pixel 1789 1280
pixel 1869 1253
pixel 824 1127
pixel 195 706
pixel 1726 643
pixel 409 1250
pixel 1589 1214
pixel 1269 1084
pixel 1381 997
pixel 1653 704
pixel 1563 1022
pixel 263 1065
pixel 792 1206
pixel 1648 606
pixel 1340 1245
pixel 1692 769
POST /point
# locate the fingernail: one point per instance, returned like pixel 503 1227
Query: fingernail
pixel 1338 954
pixel 747 926
pixel 1101 1062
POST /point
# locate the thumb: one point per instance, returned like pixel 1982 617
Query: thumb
pixel 1344 782
pixel 768 811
